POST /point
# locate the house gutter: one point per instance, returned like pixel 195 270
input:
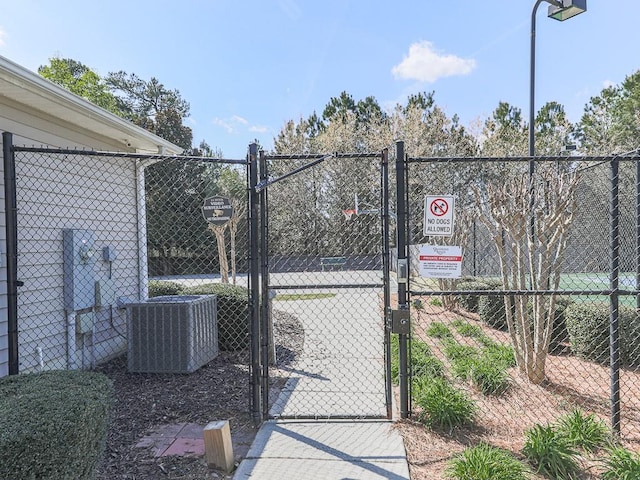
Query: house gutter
pixel 11 220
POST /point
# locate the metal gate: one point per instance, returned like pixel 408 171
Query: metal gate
pixel 319 261
pixel 517 270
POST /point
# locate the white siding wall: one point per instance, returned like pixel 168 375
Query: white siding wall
pixel 83 192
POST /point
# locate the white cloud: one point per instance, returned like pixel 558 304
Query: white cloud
pixel 258 129
pixel 3 34
pixel 608 83
pixel 235 123
pixel 239 119
pixel 425 64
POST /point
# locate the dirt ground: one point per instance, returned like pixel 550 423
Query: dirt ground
pixel 501 421
pixel 220 390
pixel 217 391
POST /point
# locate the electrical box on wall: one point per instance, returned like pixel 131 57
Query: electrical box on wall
pixel 105 293
pixel 84 323
pixel 78 269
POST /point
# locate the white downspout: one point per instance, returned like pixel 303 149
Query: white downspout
pixel 143 275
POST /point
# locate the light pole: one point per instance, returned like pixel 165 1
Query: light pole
pixel 558 10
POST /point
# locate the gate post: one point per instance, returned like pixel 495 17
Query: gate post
pixel 402 276
pixel 386 258
pixel 614 323
pixel 266 326
pixel 254 277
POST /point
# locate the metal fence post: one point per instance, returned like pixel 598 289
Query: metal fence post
pixel 266 327
pixel 402 282
pixel 254 277
pixel 614 324
pixel 11 209
pixel 386 254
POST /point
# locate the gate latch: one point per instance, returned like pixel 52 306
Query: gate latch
pixel 400 322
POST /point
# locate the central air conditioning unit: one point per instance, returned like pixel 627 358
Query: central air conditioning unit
pixel 172 334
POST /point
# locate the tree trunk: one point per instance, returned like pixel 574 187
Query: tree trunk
pixel 218 231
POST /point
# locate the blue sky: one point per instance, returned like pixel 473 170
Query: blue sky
pixel 248 66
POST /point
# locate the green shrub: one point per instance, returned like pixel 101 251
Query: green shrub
pixel 492 311
pixel 583 431
pixel 559 334
pixel 467 329
pixel 588 327
pixel 488 376
pixel 158 288
pixel 484 462
pixel 471 302
pixel 550 453
pixel 621 464
pixel 423 363
pixel 233 313
pixel 502 355
pixel 438 330
pixel 444 406
pixel 53 425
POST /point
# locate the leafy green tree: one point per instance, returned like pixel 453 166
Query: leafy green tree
pixel 81 80
pixel 505 133
pixel 610 123
pixel 152 106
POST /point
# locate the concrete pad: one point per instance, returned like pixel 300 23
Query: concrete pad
pixel 185 447
pixel 326 450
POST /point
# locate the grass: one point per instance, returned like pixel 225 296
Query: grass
pixel 484 462
pixel 584 431
pixel 621 464
pixel 550 453
pixel 303 296
pixel 438 330
pixel 443 405
pixel 467 329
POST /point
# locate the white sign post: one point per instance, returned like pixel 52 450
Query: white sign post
pixel 440 261
pixel 438 215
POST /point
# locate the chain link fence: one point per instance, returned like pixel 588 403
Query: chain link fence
pixel 326 276
pixel 100 233
pixel 543 317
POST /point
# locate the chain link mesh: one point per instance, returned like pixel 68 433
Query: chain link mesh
pixel 326 273
pixel 525 332
pixel 98 234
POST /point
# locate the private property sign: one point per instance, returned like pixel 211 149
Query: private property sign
pixel 440 261
pixel 438 215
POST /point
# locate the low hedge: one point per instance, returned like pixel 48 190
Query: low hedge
pixel 588 328
pixel 233 313
pixel 158 288
pixel 53 425
pixel 471 302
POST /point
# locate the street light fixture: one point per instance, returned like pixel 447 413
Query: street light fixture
pixel 558 10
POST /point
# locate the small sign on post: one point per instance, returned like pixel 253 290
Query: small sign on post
pixel 440 261
pixel 217 210
pixel 438 215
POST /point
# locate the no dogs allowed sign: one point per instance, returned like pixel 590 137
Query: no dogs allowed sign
pixel 438 215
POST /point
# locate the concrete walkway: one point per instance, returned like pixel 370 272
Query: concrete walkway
pixel 351 450
pixel 339 374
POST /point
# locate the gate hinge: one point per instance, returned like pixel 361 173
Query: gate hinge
pixel 401 322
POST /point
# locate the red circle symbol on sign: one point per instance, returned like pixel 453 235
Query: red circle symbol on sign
pixel 439 207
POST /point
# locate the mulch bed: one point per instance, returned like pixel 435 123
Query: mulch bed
pixel 217 391
pixel 502 420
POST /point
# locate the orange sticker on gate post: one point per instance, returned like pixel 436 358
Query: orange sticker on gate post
pixel 440 261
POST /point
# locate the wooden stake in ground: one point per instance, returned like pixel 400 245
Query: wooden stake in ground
pixel 217 445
